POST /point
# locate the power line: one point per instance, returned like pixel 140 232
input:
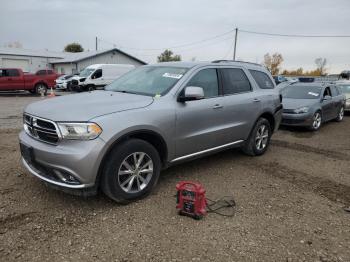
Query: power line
pixel 176 46
pixel 294 35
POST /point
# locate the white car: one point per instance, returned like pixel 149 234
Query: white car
pixel 98 76
pixel 63 81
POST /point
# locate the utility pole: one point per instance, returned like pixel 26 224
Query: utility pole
pixel 96 43
pixel 234 50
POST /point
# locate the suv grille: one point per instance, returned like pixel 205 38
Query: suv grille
pixel 41 129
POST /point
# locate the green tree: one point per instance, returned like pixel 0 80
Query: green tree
pixel 168 56
pixel 273 63
pixel 73 48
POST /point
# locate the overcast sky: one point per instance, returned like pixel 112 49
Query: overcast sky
pixel 136 26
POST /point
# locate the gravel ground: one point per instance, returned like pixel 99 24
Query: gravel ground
pixel 289 206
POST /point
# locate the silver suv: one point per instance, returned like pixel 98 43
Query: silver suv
pixel 155 116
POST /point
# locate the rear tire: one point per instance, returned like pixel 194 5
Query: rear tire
pixel 131 171
pixel 340 115
pixel 41 88
pixel 90 88
pixel 259 138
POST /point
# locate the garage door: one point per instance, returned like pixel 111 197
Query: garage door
pixel 16 63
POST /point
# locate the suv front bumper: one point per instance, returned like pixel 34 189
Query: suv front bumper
pixel 79 160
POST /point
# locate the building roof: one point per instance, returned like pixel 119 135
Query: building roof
pixel 28 52
pixel 76 57
pixel 62 57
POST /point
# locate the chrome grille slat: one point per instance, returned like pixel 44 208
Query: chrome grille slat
pixel 39 129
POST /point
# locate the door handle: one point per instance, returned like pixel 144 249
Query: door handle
pixel 256 100
pixel 217 106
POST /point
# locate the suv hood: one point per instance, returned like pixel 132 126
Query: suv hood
pixel 85 106
pixel 289 103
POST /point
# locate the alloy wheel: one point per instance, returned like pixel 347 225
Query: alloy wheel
pixel 41 89
pixel 341 114
pixel 262 136
pixel 317 121
pixel 135 172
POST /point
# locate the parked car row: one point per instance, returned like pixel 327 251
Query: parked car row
pixel 159 115
pixel 93 77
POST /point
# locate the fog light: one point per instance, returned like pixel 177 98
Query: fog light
pixel 66 177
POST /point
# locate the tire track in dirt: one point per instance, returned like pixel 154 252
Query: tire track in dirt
pixel 330 189
pixel 310 149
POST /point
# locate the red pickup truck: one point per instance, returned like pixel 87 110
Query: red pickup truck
pixel 15 79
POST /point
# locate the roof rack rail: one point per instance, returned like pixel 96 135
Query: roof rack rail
pixel 232 61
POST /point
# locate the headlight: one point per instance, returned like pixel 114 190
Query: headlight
pixel 79 131
pixel 301 110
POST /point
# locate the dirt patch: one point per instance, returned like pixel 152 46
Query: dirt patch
pixel 325 187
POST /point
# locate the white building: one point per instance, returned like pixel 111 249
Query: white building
pixel 63 62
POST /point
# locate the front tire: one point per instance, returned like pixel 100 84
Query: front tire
pixel 316 121
pixel 340 115
pixel 259 138
pixel 131 171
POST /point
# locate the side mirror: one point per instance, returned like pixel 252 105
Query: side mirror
pixel 191 93
pixel 326 98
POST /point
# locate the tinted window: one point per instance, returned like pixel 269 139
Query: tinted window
pixel 41 72
pixel 262 79
pixel 208 80
pixel 2 73
pixel 12 72
pixel 50 72
pixel 302 92
pixel 234 81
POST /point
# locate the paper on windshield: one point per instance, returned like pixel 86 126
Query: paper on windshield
pixel 313 94
pixel 170 75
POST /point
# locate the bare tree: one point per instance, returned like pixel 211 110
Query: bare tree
pixel 273 63
pixel 321 65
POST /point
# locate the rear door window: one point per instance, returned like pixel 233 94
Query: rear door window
pixel 12 72
pixel 234 81
pixel 208 80
pixel 262 79
pixel 41 72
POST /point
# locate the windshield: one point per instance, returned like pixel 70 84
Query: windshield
pixel 148 80
pixel 302 92
pixel 345 88
pixel 86 72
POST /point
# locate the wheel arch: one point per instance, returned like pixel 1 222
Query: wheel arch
pixel 269 117
pixel 152 137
